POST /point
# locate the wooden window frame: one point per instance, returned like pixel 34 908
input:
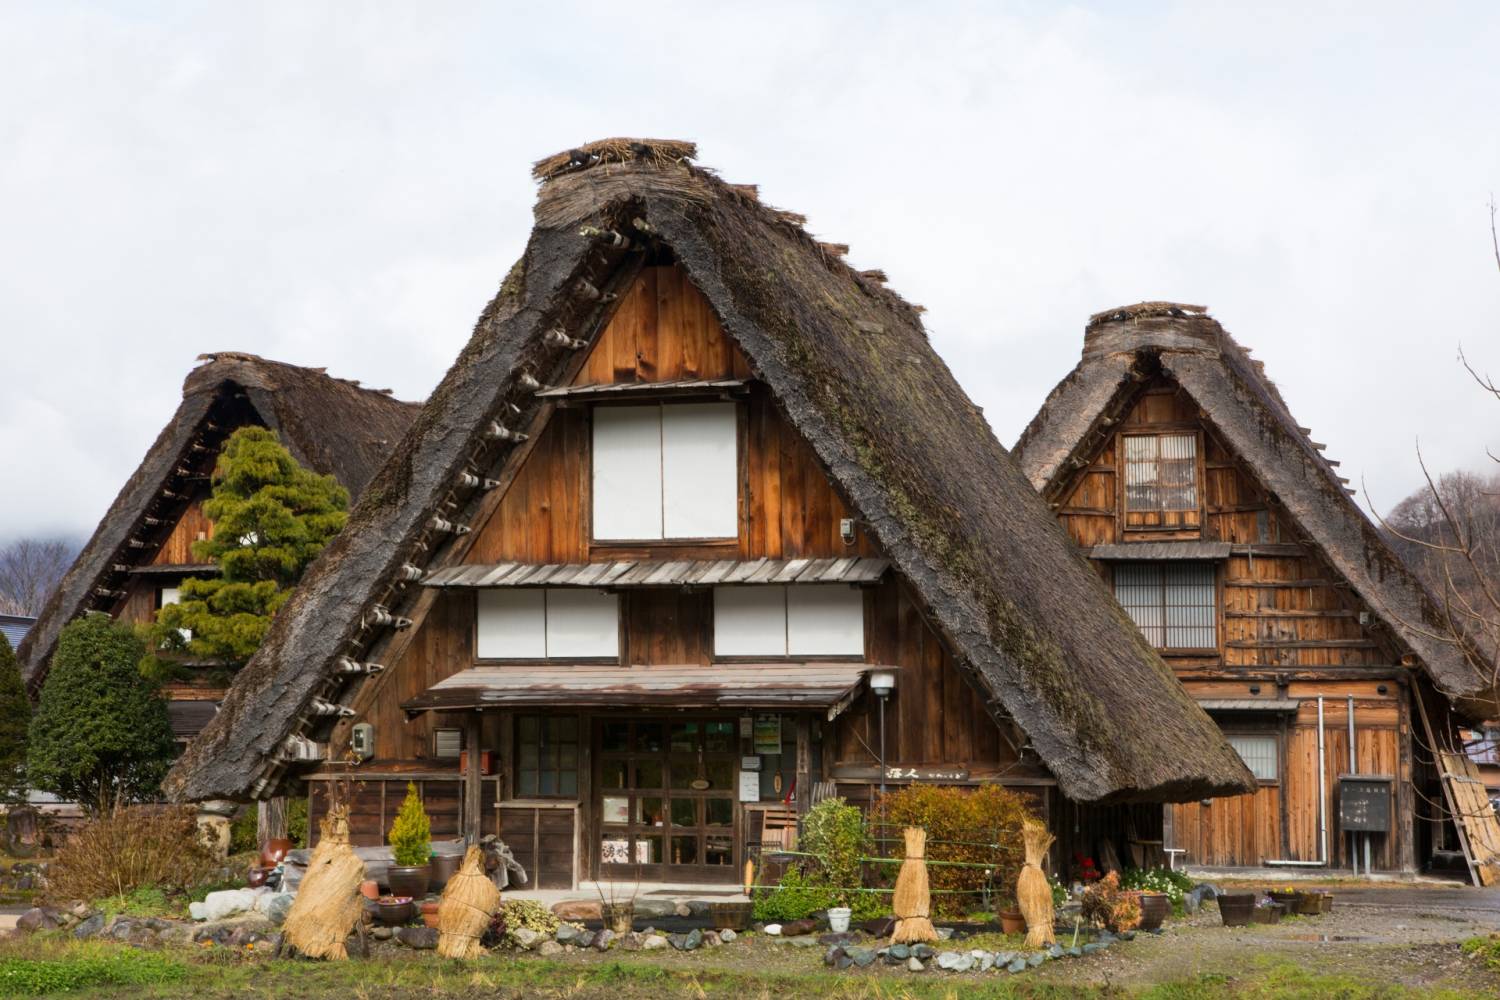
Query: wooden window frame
pixel 741 445
pixel 621 636
pixel 1218 607
pixel 1269 731
pixel 1123 509
pixel 557 771
pixel 789 657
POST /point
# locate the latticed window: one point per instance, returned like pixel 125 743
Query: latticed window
pixel 1173 604
pixel 1258 753
pixel 1161 472
pixel 547 755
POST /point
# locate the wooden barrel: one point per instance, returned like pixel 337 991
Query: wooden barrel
pixel 1237 909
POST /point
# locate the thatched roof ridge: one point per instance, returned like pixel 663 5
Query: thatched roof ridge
pixel 1121 346
pixel 850 366
pixel 329 424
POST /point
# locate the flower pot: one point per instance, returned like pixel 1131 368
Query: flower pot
pixel 1308 904
pixel 430 913
pixel 444 867
pixel 408 881
pixel 1012 922
pixel 838 919
pixel 618 916
pixel 1288 900
pixel 274 851
pixel 731 916
pixel 256 877
pixel 1268 914
pixel 370 889
pixel 1237 909
pixel 394 911
pixel 1154 909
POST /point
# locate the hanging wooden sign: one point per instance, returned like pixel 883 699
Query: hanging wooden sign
pixel 898 773
pixel 768 734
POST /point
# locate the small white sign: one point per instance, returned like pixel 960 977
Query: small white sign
pixel 749 786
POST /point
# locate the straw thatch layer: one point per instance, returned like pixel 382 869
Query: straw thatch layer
pixel 329 424
pixel 1125 346
pixel 849 364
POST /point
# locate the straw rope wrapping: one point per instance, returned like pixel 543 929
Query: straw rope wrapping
pixel 328 904
pixel 469 903
pixel 1033 891
pixel 912 901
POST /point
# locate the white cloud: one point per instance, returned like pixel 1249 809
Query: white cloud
pixel 345 186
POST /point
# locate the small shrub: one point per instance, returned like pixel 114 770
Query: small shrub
pixel 1059 892
pixel 1105 904
pixel 411 833
pixel 795 897
pixel 130 848
pixel 516 914
pixel 92 967
pixel 836 833
pixel 1486 949
pixel 1174 885
pixel 979 826
pixel 145 901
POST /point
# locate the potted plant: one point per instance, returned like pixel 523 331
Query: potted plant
pixel 1154 909
pixel 411 848
pixel 618 912
pixel 1012 920
pixel 394 911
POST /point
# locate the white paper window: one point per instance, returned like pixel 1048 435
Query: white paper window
pixel 666 470
pixel 810 620
pixel 171 595
pixel 1175 605
pixel 536 624
pixel 1259 755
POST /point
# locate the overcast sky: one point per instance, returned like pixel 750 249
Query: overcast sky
pixel 344 185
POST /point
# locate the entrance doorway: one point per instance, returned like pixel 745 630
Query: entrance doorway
pixel 665 800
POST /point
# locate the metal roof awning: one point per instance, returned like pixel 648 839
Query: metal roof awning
pixel 175 569
pixel 829 686
pixel 625 390
pixel 678 573
pixel 1248 704
pixel 1160 551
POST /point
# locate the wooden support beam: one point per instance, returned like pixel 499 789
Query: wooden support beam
pixel 804 763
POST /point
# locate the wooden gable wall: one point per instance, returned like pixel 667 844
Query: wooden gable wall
pixel 664 330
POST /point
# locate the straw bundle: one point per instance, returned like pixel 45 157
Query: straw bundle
pixel 912 902
pixel 328 904
pixel 469 902
pixel 1033 891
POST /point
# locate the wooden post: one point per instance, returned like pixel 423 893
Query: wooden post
pixel 586 835
pixel 804 764
pixel 1406 818
pixel 270 819
pixel 473 788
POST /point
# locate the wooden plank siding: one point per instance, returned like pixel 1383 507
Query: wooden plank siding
pixel 191 527
pixel 1286 625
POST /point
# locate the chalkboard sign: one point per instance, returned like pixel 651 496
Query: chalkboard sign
pixel 1365 802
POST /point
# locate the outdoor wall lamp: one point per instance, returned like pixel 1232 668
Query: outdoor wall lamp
pixel 882 682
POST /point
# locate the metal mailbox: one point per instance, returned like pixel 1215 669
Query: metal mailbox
pixel 1365 802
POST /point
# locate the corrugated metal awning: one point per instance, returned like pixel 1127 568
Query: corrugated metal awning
pixel 1160 551
pixel 175 569
pixel 188 718
pixel 677 573
pixel 1248 704
pixel 830 686
pixel 674 387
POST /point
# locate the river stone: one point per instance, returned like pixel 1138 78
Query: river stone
pixel 566 933
pixel 727 936
pixel 524 937
pixel 89 927
pixel 772 929
pixel 898 953
pixel 1075 952
pixel 80 910
pixel 1094 946
pixel 653 909
pixel 38 918
pixel 837 957
pixel 983 960
pixel 944 933
pixel 796 928
pixel 835 939
pixel 578 909
pixel 712 939
pixel 1018 965
pixel 585 939
pixel 420 938
pixel 955 961
pixel 602 939
pixel 682 910
pixel 862 957
pixel 803 941
pixel 1037 959
pixel 382 934
pixel 549 948
pixel 653 942
pixel 914 965
pixel 922 951
pixel 699 908
pixel 690 941
pixel 1055 950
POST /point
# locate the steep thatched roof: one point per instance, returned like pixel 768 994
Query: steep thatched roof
pixel 329 424
pixel 1183 343
pixel 851 367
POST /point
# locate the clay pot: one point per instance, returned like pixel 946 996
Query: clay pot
pixel 1154 909
pixel 394 911
pixel 1237 909
pixel 430 913
pixel 444 867
pixel 411 882
pixel 370 889
pixel 274 851
pixel 1012 922
pixel 256 877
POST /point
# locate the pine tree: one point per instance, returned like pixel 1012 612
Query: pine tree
pixel 100 734
pixel 411 833
pixel 15 717
pixel 271 518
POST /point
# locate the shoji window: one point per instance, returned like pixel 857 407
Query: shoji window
pixel 668 470
pixel 537 624
pixel 547 755
pixel 1161 472
pixel 1259 754
pixel 811 620
pixel 1175 605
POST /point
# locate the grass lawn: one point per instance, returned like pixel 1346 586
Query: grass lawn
pixel 759 969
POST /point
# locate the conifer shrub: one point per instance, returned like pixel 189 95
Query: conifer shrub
pixel 100 736
pixel 979 826
pixel 15 718
pixel 411 833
